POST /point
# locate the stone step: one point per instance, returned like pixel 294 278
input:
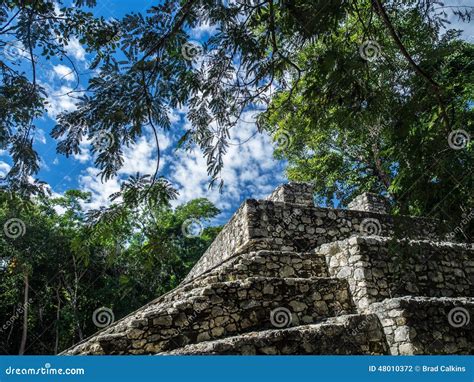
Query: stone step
pixel 379 267
pixel 220 310
pixel 256 264
pixel 269 225
pixel 348 334
pixel 271 264
pixel 276 263
pixel 427 325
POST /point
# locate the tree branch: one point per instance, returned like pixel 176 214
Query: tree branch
pixel 380 10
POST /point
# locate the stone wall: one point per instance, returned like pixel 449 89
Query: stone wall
pixel 351 334
pixel 230 241
pixel 378 268
pixel 370 202
pixel 297 227
pixel 421 325
pixel 222 309
pixel 296 193
pixel 285 277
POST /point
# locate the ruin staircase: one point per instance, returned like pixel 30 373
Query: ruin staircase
pixel 286 277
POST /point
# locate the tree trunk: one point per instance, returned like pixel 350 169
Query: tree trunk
pixel 25 315
pixel 12 326
pixel 383 177
pixel 58 314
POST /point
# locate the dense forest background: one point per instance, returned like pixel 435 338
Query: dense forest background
pixel 357 96
pixel 68 278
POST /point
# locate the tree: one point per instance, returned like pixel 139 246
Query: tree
pixel 368 92
pixel 30 30
pixel 149 65
pixel 28 241
pixel 357 122
pixel 63 268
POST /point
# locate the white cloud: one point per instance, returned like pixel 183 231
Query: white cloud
pixel 139 157
pixel 75 49
pixel 64 73
pixel 203 30
pixel 249 169
pixel 40 136
pixel 84 154
pixel 100 190
pixel 59 100
pixel 44 166
pixel 4 168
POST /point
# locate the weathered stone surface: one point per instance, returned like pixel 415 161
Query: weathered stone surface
pixel 285 277
pixel 430 325
pixel 385 267
pixel 353 334
pixel 274 226
pixel 297 193
pixel 212 309
pixel 370 202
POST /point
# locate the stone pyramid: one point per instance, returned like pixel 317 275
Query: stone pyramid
pixel 286 277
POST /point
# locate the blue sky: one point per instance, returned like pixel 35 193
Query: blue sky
pixel 249 171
